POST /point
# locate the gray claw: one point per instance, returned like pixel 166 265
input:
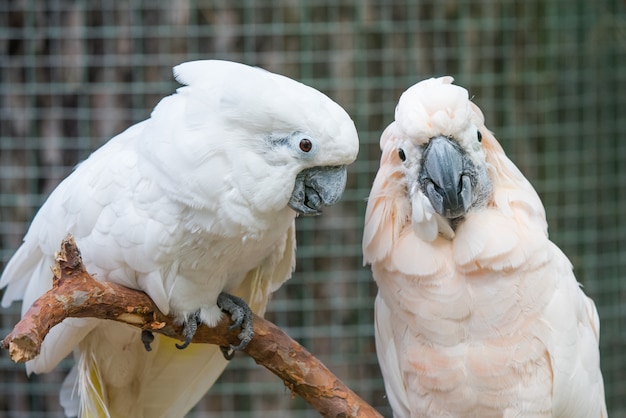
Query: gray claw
pixel 241 315
pixel 190 327
pixel 146 338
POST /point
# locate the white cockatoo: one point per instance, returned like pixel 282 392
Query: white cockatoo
pixel 478 313
pixel 189 206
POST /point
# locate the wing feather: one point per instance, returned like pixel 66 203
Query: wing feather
pixel 76 206
pixel 386 212
pixel 387 353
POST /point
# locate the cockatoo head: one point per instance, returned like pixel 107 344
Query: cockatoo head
pixel 276 142
pixel 437 137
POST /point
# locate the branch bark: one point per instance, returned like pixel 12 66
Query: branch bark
pixel 75 293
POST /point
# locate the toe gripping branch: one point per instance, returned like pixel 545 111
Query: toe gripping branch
pixel 190 326
pixel 241 316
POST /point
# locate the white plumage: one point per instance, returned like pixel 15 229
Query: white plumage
pixel 194 201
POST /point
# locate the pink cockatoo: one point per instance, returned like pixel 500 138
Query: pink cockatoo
pixel 478 313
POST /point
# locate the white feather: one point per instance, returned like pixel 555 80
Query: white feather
pixel 388 359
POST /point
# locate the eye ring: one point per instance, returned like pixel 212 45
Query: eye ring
pixel 306 145
pixel 401 154
pixel 480 136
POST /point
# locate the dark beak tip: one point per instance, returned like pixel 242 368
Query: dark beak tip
pixel 304 210
pixel 446 185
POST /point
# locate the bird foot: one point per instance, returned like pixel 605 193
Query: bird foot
pixel 239 312
pixel 190 326
pixel 241 315
pixel 147 337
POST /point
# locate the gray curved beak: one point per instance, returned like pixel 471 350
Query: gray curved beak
pixel 445 177
pixel 317 187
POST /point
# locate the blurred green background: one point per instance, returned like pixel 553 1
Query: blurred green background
pixel 549 75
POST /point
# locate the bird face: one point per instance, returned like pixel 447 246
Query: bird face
pixel 318 165
pixel 438 142
pixel 446 178
pixel 446 173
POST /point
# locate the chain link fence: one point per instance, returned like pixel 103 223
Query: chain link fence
pixel 549 75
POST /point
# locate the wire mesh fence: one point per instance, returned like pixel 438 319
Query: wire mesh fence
pixel 549 75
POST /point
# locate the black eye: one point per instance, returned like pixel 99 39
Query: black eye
pixel 480 136
pixel 401 154
pixel 306 145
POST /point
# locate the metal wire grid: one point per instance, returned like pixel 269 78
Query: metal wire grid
pixel 549 76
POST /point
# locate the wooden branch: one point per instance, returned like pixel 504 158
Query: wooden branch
pixel 75 293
